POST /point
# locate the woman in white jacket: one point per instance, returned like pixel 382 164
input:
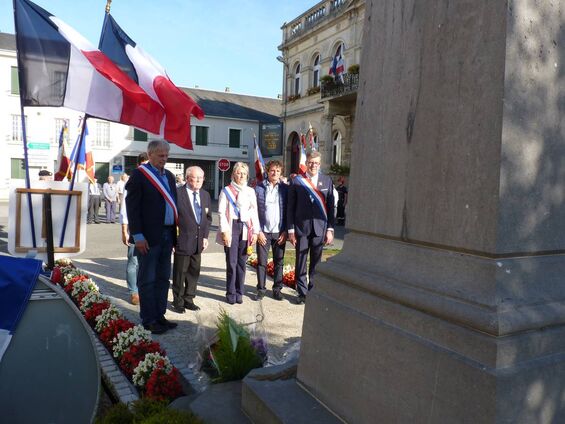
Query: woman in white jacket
pixel 239 226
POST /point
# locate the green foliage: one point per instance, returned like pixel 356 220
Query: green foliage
pixel 353 69
pixel 173 416
pixel 147 411
pixel 117 414
pixel 327 78
pixel 145 408
pixel 234 356
pixel 313 90
pixel 336 169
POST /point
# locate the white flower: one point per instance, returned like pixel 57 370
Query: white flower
pixel 125 339
pixel 109 314
pixel 150 363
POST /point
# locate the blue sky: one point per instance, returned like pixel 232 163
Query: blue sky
pixel 211 44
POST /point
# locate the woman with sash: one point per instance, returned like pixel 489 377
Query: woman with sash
pixel 239 226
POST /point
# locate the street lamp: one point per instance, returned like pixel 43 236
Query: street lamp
pixel 282 60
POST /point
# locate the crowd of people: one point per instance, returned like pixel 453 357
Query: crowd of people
pixel 160 213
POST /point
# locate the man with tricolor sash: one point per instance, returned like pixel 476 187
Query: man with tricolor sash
pixel 310 220
pixel 153 217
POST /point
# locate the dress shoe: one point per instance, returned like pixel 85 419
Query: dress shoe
pixel 277 295
pixel 300 300
pixel 166 323
pixel 191 306
pixel 239 300
pixel 156 328
pixel 177 309
pixel 231 301
pixel 260 295
pixel 135 299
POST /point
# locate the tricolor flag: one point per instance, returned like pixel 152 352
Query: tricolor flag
pixel 17 280
pixel 337 67
pixel 302 163
pixel 82 157
pixel 311 140
pixel 63 160
pixel 260 170
pixel 152 77
pixel 59 67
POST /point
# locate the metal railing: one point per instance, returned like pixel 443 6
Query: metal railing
pixel 310 20
pixel 346 84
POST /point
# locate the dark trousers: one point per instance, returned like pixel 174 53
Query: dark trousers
pixel 236 258
pixel 278 259
pixel 186 271
pixel 304 244
pixel 93 206
pixel 153 278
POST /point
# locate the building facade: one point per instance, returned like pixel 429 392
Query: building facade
pixel 330 29
pixel 227 132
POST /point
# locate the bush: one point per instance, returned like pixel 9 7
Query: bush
pixel 233 354
pixel 327 78
pixel 147 411
pixel 117 414
pixel 173 416
pixel 353 69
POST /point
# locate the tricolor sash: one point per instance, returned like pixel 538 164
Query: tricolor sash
pixel 158 184
pixel 231 195
pixel 316 194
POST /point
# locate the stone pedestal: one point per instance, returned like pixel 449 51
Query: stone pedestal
pixel 447 303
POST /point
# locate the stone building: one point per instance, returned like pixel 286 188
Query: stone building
pixel 330 29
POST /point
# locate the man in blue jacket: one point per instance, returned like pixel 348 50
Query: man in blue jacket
pixel 271 203
pixel 153 216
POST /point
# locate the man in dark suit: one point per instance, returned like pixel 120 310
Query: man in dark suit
pixel 310 219
pixel 152 217
pixel 271 206
pixel 195 218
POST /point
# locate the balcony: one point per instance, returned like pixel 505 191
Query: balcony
pixel 346 84
pixel 312 18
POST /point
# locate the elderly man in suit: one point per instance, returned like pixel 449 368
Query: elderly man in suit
pixel 152 216
pixel 310 219
pixel 271 207
pixel 195 218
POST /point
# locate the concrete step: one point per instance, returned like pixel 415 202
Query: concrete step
pixel 273 396
pixel 218 404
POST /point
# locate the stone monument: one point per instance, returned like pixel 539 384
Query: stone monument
pixel 447 303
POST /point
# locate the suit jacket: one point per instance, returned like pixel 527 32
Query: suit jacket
pixel 303 215
pixel 146 206
pixel 191 234
pixel 261 192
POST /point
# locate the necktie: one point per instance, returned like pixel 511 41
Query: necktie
pixel 197 208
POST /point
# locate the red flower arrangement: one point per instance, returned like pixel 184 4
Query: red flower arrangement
pixel 96 309
pixel 270 268
pixel 289 280
pixel 163 386
pixel 56 275
pixel 69 287
pixel 112 329
pixel 136 353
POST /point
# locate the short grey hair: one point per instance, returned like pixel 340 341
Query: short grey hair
pixel 155 145
pixel 240 165
pixel 191 169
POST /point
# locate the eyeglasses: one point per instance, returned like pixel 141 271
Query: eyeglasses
pixel 313 163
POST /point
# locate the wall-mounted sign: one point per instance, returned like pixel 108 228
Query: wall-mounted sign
pixel 271 140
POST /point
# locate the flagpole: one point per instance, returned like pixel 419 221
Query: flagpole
pixel 77 150
pixel 24 132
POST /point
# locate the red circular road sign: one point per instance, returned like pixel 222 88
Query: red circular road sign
pixel 223 164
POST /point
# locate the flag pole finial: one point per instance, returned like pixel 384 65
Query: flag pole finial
pixel 108 4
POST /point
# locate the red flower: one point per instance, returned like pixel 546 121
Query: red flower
pixel 95 310
pixel 136 353
pixel 163 386
pixel 289 279
pixel 56 275
pixel 254 263
pixel 271 269
pixel 112 329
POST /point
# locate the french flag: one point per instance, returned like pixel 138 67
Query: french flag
pixel 63 160
pixel 302 162
pixel 17 280
pixel 82 157
pixel 59 67
pixel 152 77
pixel 260 171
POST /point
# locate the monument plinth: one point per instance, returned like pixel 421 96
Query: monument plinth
pixel 447 303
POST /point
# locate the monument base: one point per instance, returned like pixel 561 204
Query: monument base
pixel 416 359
